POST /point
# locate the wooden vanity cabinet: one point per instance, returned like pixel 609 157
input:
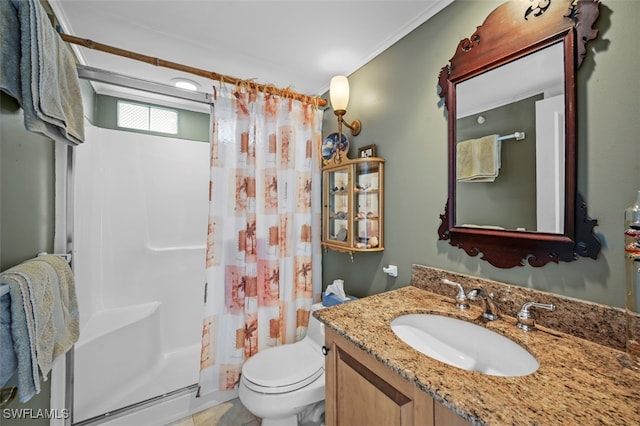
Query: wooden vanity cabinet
pixel 362 391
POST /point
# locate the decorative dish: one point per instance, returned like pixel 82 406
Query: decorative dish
pixel 334 143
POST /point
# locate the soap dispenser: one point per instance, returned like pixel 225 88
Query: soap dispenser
pixel 632 263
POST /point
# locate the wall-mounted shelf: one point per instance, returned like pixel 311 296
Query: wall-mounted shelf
pixel 353 205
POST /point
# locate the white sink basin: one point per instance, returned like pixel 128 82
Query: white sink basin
pixel 464 345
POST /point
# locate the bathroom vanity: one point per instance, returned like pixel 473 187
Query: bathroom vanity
pixel 360 390
pixel 373 377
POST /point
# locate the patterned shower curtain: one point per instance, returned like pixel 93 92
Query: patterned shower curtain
pixel 263 254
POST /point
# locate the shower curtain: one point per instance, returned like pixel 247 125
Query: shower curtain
pixel 263 241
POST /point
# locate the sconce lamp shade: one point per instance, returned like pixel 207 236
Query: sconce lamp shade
pixel 339 93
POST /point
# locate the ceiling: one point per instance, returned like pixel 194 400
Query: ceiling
pixel 297 44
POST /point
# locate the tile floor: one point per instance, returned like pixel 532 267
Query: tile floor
pixel 231 413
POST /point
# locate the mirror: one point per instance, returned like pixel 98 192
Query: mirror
pixel 510 96
pixel 526 115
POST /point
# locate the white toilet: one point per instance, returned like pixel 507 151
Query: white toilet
pixel 280 382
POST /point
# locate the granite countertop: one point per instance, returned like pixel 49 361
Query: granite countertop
pixel 578 382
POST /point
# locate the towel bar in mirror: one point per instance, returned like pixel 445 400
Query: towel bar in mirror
pixel 516 200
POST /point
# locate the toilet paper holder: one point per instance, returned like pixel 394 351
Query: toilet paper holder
pixel 391 270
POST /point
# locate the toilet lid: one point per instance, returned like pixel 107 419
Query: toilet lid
pixel 283 368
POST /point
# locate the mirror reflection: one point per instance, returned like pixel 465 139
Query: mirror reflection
pixel 510 145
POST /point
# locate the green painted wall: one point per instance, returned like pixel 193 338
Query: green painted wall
pixel 395 97
pixel 26 212
pixel 26 188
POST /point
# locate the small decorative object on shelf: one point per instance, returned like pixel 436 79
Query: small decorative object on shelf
pixel 367 151
pixel 353 203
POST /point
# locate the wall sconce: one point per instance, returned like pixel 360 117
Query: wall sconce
pixel 339 95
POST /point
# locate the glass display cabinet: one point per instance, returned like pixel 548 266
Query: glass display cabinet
pixel 353 205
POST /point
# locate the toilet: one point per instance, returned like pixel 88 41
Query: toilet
pixel 280 382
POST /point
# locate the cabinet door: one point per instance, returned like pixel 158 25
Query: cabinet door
pixel 362 391
pixel 368 205
pixel 366 399
pixel 337 207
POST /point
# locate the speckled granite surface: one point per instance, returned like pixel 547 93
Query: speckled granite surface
pixel 578 382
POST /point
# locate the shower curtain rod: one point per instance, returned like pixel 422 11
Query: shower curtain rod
pixel 90 44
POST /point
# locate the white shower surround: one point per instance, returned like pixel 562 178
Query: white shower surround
pixel 140 230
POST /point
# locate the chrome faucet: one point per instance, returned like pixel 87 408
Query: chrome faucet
pixel 525 319
pixel 461 298
pixel 491 311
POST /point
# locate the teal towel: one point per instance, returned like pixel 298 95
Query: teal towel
pixel 40 290
pixel 23 333
pixel 10 82
pixel 8 360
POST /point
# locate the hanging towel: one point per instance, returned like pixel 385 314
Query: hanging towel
pixel 478 160
pixel 44 319
pixel 23 335
pixel 8 360
pixel 10 51
pixel 49 86
pixel 65 303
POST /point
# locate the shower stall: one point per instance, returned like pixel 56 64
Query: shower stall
pixel 141 205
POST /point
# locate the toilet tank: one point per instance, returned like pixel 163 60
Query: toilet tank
pixel 315 331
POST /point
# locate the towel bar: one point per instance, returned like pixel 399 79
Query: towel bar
pixel 4 288
pixel 65 256
pixel 517 136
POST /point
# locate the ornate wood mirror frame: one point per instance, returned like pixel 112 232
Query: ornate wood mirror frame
pixel 514 30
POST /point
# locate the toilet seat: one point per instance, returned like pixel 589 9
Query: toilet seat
pixel 283 368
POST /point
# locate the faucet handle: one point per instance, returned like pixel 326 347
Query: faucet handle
pixel 462 302
pixel 525 319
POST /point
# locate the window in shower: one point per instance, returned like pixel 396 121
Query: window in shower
pixel 147 118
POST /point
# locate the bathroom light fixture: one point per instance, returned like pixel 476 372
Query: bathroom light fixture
pixel 183 83
pixel 339 95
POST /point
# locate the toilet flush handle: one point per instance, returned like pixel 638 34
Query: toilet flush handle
pixel 325 350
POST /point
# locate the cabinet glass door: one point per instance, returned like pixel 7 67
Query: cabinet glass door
pixel 367 205
pixel 338 207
